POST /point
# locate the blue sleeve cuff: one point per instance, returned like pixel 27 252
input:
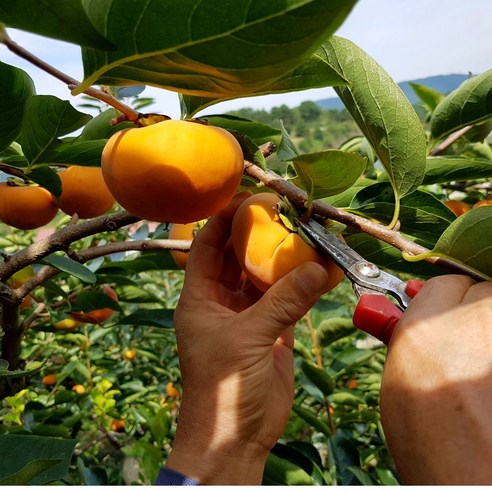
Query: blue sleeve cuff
pixel 171 477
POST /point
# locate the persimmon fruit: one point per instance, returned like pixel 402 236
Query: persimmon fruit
pixel 266 249
pixel 49 380
pixel 173 171
pixel 182 231
pixel 84 192
pixel 79 389
pixel 97 316
pixel 171 390
pixel 117 425
pixel 67 324
pixel 129 354
pixel 457 206
pixel 483 203
pixel 26 207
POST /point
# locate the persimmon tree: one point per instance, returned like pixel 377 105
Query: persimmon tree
pixel 384 190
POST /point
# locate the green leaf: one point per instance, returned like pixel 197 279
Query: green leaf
pixel 45 119
pixel 90 300
pixel 333 329
pixel 430 97
pixel 468 240
pixel 18 373
pixel 160 318
pixel 16 87
pixel 133 293
pixel 279 471
pixel 70 266
pixel 383 113
pixel 60 19
pixel 78 152
pixel 29 472
pixel 312 419
pixel 257 132
pixel 287 149
pixel 316 72
pixel 328 172
pixel 30 459
pixel 444 169
pixel 194 47
pixel 469 104
pixel 422 215
pixel 318 377
pixel 362 475
pixel 100 126
pixel 47 178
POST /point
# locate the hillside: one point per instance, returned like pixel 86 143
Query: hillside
pixel 441 83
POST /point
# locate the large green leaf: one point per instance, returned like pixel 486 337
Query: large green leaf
pixel 383 113
pixel 160 318
pixel 59 19
pixel 72 267
pixel 328 172
pixel 444 169
pixel 470 103
pixel 16 87
pixel 45 119
pixel 207 48
pixel 34 460
pixel 468 240
pixel 258 132
pixel 316 72
pixel 422 216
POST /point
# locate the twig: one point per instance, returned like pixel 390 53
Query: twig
pixel 450 140
pixel 130 114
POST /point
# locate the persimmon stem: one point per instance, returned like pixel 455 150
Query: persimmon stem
pixel 130 114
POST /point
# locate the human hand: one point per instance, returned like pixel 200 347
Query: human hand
pixel 436 392
pixel 235 348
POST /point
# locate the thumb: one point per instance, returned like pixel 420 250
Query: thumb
pixel 288 300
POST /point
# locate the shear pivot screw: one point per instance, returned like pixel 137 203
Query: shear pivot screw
pixel 367 269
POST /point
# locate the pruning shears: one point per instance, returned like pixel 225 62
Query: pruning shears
pixel 375 313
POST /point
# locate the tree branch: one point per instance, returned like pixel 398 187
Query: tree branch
pixel 97 251
pixel 299 197
pixel 61 240
pixel 450 140
pixel 130 114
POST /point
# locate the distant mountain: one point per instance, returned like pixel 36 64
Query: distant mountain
pixel 441 83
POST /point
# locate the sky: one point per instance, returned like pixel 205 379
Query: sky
pixel 409 39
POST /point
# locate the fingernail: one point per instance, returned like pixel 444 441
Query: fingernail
pixel 313 276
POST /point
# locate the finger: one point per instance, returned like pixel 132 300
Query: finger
pixel 231 269
pixel 287 301
pixel 479 292
pixel 438 295
pixel 206 253
pixel 287 338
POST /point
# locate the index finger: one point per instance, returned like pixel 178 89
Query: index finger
pixel 207 250
pixel 438 295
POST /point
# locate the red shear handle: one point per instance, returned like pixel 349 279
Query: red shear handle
pixel 377 315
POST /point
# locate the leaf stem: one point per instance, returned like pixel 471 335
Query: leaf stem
pixel 130 114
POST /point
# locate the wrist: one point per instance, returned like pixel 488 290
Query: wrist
pixel 226 463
